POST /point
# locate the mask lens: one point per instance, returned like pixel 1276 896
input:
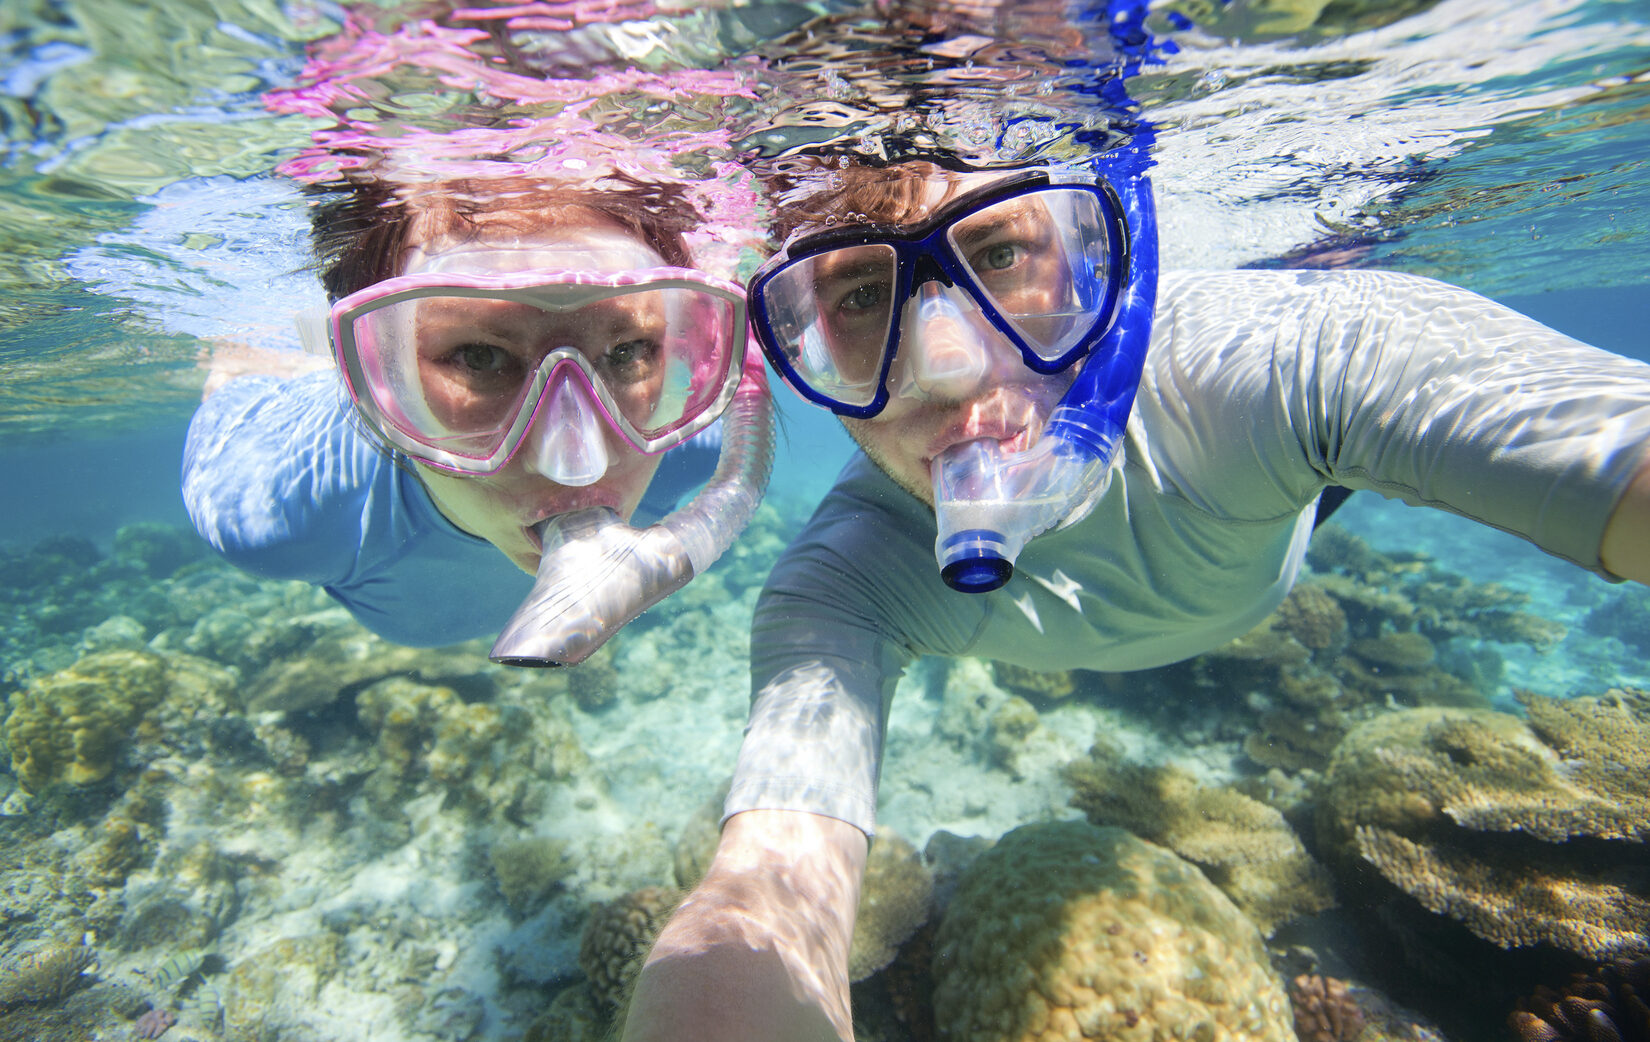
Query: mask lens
pixel 830 314
pixel 1042 259
pixel 455 370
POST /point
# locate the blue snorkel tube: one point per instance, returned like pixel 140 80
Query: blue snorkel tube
pixel 989 503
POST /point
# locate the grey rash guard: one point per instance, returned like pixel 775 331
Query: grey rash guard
pixel 1260 389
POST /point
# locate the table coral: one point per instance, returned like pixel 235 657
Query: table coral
pixel 1067 931
pixel 1245 846
pixel 894 899
pixel 72 725
pixel 1471 812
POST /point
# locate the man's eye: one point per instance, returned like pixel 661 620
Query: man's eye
pixel 863 297
pixel 997 257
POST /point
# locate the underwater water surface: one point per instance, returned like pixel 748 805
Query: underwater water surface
pixel 228 812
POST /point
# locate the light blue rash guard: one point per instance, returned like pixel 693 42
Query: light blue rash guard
pixel 1260 389
pixel 279 477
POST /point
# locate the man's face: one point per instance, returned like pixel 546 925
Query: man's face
pixel 465 347
pixel 955 378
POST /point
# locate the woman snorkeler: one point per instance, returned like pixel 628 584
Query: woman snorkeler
pixel 520 333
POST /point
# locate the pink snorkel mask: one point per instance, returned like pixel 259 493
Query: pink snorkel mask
pixel 481 351
pixel 462 371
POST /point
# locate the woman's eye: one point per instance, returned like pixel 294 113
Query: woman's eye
pixel 864 297
pixel 631 358
pixel 483 358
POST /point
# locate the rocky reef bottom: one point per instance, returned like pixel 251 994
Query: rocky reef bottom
pixel 1411 805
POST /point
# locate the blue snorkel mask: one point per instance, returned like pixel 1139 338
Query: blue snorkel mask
pixel 1061 265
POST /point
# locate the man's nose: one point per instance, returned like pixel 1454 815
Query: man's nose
pixel 947 349
pixel 568 442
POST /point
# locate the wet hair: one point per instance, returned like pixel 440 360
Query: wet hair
pixel 860 193
pixel 363 226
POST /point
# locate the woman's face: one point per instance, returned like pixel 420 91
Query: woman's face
pixel 472 354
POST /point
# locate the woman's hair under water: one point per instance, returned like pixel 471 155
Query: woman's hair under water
pixel 363 226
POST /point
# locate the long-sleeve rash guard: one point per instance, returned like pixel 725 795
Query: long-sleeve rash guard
pixel 279 477
pixel 1260 389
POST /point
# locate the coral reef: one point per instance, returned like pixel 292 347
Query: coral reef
pixel 894 900
pixel 572 1016
pixel 154 1023
pixel 72 725
pixel 1478 816
pixel 1625 616
pixel 1035 684
pixel 1068 931
pixel 46 974
pixel 1325 1009
pixel 594 683
pixel 616 939
pixel 528 869
pixel 1245 846
pixel 697 843
pixel 1609 1003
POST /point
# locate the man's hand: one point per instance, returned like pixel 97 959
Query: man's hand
pixel 759 951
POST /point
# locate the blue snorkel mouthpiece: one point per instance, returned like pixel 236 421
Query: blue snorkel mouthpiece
pixel 990 503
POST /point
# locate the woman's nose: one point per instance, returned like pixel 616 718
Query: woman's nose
pixel 947 348
pixel 568 442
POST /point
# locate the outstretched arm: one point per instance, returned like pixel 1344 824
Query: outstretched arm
pixel 1626 547
pixel 759 951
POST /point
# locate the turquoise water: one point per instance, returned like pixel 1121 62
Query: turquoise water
pixel 1505 150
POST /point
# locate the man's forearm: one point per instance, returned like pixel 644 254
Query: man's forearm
pixel 1626 547
pixel 759 951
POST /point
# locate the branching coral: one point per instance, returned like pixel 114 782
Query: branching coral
pixel 616 939
pixel 1312 617
pixel 45 975
pixel 1066 931
pixel 1473 815
pixel 71 725
pixel 894 900
pixel 1245 846
pixel 1611 1003
pixel 528 869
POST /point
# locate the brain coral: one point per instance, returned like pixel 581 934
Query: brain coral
pixel 1067 931
pixel 616 939
pixel 1470 811
pixel 893 903
pixel 71 725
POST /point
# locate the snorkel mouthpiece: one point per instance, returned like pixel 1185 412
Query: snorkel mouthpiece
pixel 597 573
pixel 988 503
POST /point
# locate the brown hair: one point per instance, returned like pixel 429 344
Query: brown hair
pixel 855 194
pixel 363 225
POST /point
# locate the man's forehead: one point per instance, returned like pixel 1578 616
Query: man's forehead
pixel 922 194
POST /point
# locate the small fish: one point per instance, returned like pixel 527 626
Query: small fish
pixel 180 967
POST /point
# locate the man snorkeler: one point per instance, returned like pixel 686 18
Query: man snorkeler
pixel 510 353
pixel 1113 474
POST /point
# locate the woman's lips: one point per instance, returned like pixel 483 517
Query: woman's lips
pixel 592 498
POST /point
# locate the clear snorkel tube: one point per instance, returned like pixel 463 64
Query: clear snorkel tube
pixel 597 572
pixel 989 503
